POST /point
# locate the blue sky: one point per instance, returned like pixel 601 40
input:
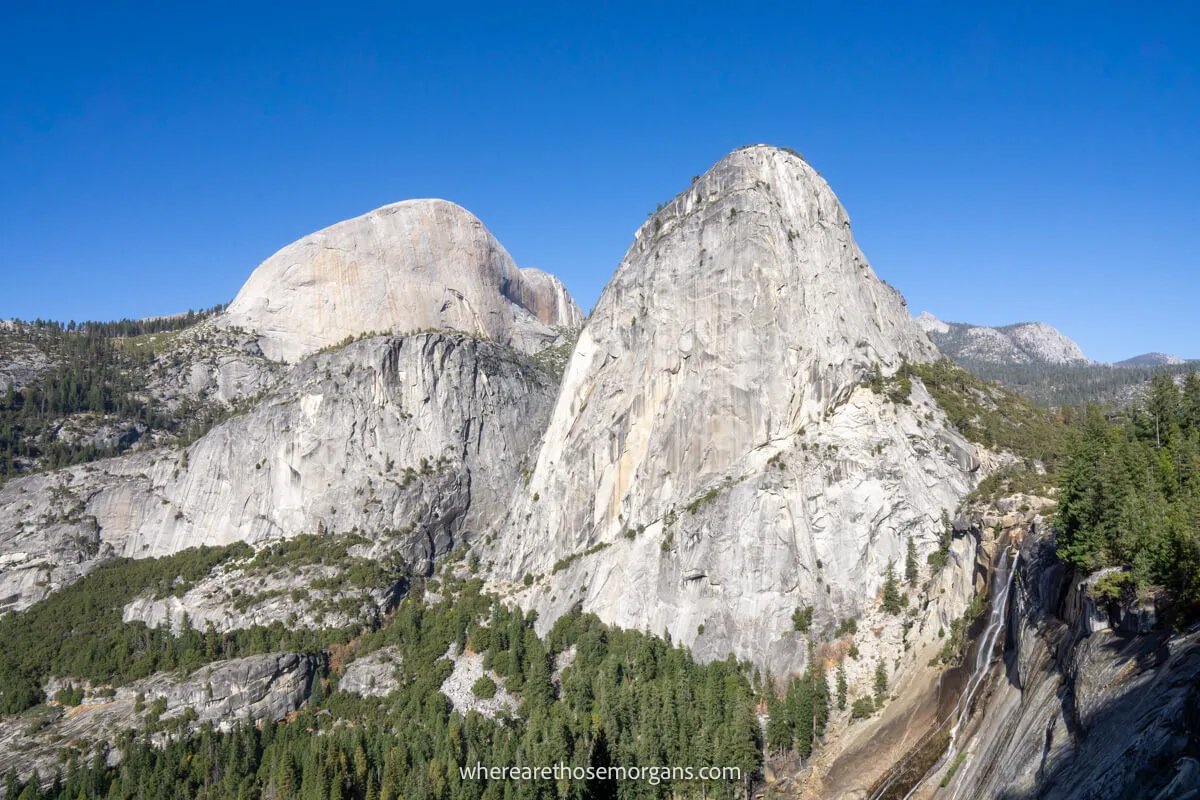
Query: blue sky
pixel 1027 161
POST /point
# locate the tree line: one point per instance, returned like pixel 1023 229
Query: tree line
pixel 626 698
pixel 91 372
pixel 1130 495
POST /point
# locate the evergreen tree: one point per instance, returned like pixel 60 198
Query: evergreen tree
pixel 802 619
pixel 1163 407
pixel 285 776
pixel 780 732
pixel 881 683
pixel 820 696
pixel 891 590
pixel 841 687
pixel 911 568
pixel 800 711
pixel 1190 411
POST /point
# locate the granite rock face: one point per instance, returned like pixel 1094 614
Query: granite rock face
pixel 420 438
pixel 20 363
pixel 1086 707
pixel 716 457
pixel 415 265
pixel 1023 343
pixel 373 675
pixel 239 595
pixel 222 694
pixel 458 687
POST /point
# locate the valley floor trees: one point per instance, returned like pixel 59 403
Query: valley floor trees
pixel 626 698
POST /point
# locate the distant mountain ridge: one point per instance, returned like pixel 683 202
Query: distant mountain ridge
pixel 1021 343
pixel 1152 360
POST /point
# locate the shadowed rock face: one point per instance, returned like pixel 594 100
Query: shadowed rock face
pixel 1083 710
pixel 740 326
pixel 415 265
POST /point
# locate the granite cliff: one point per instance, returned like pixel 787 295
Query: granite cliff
pixel 717 456
pixel 742 431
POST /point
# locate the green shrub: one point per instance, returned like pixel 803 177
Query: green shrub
pixel 484 688
pixel 69 695
pixel 802 619
pixel 954 765
pixel 862 708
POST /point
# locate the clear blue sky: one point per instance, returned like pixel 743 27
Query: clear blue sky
pixel 1035 161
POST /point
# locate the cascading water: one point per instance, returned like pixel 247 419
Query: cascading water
pixel 1001 587
pixel 983 656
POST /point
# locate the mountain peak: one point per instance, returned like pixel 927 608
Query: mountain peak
pixel 743 323
pixel 412 265
pixel 1020 343
pixel 1152 360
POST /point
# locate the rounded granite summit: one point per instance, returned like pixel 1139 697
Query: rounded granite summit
pixel 414 265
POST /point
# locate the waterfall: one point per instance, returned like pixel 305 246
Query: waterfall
pixel 1002 582
pixel 1001 585
pixel 983 656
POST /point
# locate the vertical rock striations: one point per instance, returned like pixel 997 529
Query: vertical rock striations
pixel 1093 702
pixel 415 438
pixel 715 457
pixel 419 437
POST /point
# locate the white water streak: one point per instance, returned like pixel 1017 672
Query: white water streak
pixel 983 663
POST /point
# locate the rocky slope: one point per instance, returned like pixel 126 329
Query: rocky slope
pixel 415 265
pixel 1023 343
pixel 161 387
pixel 222 694
pixel 1094 700
pixel 20 362
pixel 737 436
pixel 715 458
pixel 348 471
pixel 417 437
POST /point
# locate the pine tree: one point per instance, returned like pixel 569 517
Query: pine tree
pixel 212 642
pixel 780 735
pixel 881 684
pixel 1190 410
pixel 800 710
pixel 802 619
pixel 743 748
pixel 911 568
pixel 841 686
pixel 891 590
pixel 820 696
pixel 1163 407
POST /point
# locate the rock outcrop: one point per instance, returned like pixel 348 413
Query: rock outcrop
pixel 716 457
pixel 20 363
pixel 415 265
pixel 1152 360
pixel 1022 343
pixel 418 437
pixel 459 687
pixel 373 675
pixel 263 688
